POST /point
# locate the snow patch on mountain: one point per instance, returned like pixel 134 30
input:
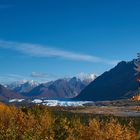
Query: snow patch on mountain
pixel 86 77
pixel 22 86
pixel 19 83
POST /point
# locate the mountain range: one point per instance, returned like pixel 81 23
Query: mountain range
pixel 60 88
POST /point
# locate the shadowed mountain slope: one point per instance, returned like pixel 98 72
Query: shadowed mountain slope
pixel 119 82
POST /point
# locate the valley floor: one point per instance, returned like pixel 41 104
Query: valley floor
pixel 111 110
pixel 40 122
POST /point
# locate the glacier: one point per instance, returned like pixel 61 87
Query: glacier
pixel 53 102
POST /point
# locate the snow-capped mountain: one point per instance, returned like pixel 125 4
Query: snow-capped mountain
pixel 87 77
pixel 61 88
pixel 22 86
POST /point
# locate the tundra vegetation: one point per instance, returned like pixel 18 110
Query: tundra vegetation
pixel 39 122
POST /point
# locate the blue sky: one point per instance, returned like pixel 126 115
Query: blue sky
pixel 48 39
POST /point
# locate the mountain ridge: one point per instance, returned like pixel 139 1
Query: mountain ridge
pixel 113 84
pixel 61 88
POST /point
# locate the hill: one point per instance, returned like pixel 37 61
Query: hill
pixel 6 94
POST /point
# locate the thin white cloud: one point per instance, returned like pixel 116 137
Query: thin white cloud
pixel 8 78
pixel 14 75
pixel 39 75
pixel 44 51
pixel 11 78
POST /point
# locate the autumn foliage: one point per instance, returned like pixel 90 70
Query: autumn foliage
pixel 39 123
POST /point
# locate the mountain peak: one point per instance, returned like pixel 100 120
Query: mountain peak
pixel 86 77
pixel 22 86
